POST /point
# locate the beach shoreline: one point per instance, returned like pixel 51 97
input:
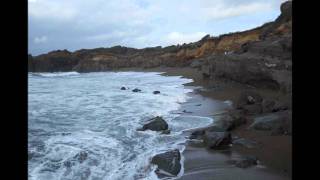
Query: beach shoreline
pixel 274 152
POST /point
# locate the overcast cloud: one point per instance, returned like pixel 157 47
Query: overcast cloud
pixel 78 24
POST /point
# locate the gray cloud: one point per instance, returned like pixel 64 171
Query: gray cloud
pixel 76 24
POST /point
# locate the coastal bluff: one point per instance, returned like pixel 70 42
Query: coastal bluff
pixel 259 57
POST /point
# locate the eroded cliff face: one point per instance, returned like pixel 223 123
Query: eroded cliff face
pixel 102 59
pixel 264 63
pixel 259 57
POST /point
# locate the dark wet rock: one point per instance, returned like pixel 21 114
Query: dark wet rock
pixel 197 134
pixel 245 162
pixel 268 105
pixel 185 111
pixel 156 92
pixel 136 90
pixel 252 109
pixel 65 134
pixel 217 140
pixel 245 143
pixel 225 122
pixel 166 131
pixel 231 120
pixel 81 156
pixel 248 98
pixel 168 162
pixel 123 88
pixel 155 124
pixel 78 158
pixel 215 128
pixel 278 123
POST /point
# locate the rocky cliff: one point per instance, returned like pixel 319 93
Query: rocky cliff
pixel 265 62
pixel 259 57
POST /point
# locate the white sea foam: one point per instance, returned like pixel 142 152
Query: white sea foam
pixel 69 116
pixel 56 74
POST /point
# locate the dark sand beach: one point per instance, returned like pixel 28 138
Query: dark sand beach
pixel 274 152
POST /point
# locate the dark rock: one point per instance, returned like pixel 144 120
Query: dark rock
pixel 168 162
pixel 166 131
pixel 252 109
pixel 78 158
pixel 248 98
pixel 82 156
pixel 156 124
pixel 156 92
pixel 217 140
pixel 268 105
pixel 245 143
pixel 136 90
pixel 246 162
pixel 123 88
pixel 231 120
pixel 197 134
pixel 278 123
pixel 185 111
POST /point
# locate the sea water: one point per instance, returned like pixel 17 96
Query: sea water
pixel 82 126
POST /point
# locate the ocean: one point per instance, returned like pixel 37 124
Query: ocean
pixel 82 126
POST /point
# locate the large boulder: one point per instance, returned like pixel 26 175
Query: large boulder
pixel 155 124
pixel 250 102
pixel 217 140
pixel 248 98
pixel 169 162
pixel 199 133
pixel 232 120
pixel 277 123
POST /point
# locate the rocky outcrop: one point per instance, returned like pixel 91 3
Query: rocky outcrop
pixel 216 140
pixel 250 102
pixel 265 62
pixel 155 124
pixel 279 123
pixel 168 163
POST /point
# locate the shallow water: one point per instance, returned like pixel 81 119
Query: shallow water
pixel 82 126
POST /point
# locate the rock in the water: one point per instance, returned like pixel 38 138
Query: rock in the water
pixel 185 111
pixel 156 92
pixel 136 90
pixel 156 124
pixel 277 123
pixel 82 156
pixel 123 88
pixel 216 140
pixel 197 134
pixel 168 162
pixel 78 158
pixel 245 142
pixel 166 131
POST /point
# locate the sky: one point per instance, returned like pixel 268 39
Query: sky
pixel 87 24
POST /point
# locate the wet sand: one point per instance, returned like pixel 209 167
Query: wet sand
pixel 273 152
